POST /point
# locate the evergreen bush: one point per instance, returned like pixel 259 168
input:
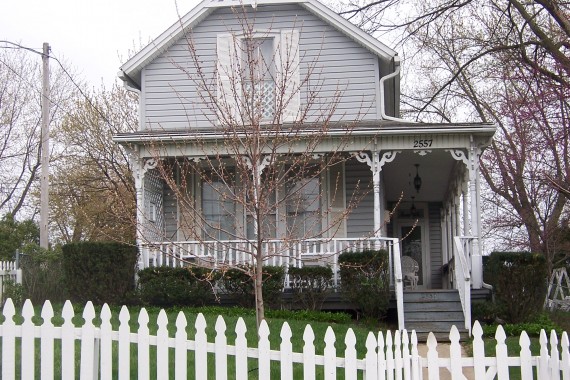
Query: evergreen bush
pixel 165 286
pixel 365 281
pixel 310 285
pixel 101 272
pixel 238 283
pixel 42 275
pixel 519 281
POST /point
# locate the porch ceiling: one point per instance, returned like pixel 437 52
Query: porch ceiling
pixel 435 170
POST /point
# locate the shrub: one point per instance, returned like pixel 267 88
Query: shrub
pixel 519 282
pixel 238 283
pixel 13 290
pixel 310 285
pixel 99 271
pixel 42 275
pixel 165 287
pixel 365 281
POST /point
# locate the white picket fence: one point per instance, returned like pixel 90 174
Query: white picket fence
pixel 90 352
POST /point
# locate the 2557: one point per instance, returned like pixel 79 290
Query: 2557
pixel 424 143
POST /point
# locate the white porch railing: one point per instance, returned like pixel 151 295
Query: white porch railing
pixel 462 275
pixel 286 253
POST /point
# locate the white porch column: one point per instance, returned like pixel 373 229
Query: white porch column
pixel 375 164
pixel 475 196
pixel 472 164
pixel 140 167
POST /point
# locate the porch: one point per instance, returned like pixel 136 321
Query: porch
pixel 224 254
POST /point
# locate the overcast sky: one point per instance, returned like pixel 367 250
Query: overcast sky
pixel 90 35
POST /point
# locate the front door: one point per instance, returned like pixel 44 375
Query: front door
pixel 413 243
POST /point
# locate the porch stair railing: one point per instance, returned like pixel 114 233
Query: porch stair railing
pixel 286 253
pixel 462 275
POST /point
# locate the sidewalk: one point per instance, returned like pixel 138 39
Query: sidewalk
pixel 443 352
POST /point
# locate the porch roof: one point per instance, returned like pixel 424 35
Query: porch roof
pixel 360 129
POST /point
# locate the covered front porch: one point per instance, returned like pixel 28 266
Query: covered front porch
pixel 418 199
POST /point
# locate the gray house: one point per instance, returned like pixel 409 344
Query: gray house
pixel 270 130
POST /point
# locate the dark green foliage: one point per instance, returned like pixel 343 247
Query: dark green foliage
pixel 365 281
pixel 519 281
pixel 310 285
pixel 238 282
pixel 165 286
pixel 42 274
pixel 15 235
pixel 485 312
pixel 99 271
pixel 532 327
pixel 13 290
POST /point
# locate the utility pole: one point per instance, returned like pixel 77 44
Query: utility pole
pixel 44 185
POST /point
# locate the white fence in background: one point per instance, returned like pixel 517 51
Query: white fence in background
pixel 9 271
pixel 104 353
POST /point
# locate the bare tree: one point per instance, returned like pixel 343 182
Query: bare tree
pixel 254 185
pixel 500 61
pixel 93 195
pixel 20 99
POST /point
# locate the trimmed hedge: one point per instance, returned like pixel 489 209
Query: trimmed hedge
pixel 519 281
pixel 237 283
pixel 365 281
pixel 101 272
pixel 310 285
pixel 165 286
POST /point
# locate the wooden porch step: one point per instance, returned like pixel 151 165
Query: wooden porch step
pixel 434 311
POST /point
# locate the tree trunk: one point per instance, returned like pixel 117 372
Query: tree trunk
pixel 258 281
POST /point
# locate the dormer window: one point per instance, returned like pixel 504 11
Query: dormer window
pixel 258 77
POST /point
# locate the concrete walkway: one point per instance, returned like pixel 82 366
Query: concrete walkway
pixel 443 352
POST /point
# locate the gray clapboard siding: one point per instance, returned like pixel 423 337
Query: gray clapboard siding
pixel 434 209
pixel 359 182
pixel 171 99
pixel 170 213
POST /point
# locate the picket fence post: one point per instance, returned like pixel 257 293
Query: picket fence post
pixel 565 356
pixel 143 345
pixel 286 348
pixel 264 360
pixel 221 354
pixel 28 366
pixel 201 353
pixel 371 370
pixel 46 345
pixel 330 355
pixel 180 350
pixel 124 344
pixel 241 350
pixel 381 357
pixel 9 342
pixel 162 346
pixel 350 355
pixel 308 353
pixel 525 355
pixel 106 344
pixel 432 357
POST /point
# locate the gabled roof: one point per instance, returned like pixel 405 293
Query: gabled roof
pixel 130 70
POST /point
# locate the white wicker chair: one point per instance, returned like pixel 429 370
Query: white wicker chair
pixel 410 268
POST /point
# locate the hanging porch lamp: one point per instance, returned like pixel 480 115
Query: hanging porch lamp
pixel 417 179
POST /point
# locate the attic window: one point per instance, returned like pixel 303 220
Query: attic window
pixel 258 77
pixel 257 72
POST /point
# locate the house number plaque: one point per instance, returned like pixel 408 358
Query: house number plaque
pixel 423 143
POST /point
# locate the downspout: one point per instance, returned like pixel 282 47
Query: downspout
pixel 382 84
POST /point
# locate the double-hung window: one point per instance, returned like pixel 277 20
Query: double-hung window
pixel 218 208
